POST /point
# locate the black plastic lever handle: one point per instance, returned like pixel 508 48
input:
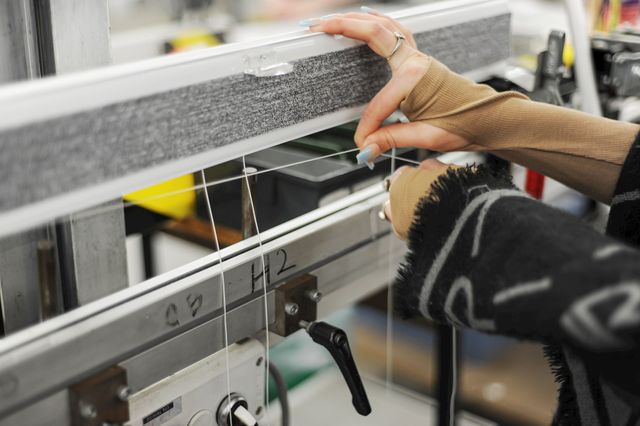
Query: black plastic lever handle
pixel 336 342
pixel 552 64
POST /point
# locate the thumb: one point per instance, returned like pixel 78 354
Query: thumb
pixel 417 134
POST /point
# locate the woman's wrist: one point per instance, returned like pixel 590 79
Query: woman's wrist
pixel 508 121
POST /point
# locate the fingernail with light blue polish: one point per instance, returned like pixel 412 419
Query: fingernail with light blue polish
pixel 366 9
pixel 329 16
pixel 364 156
pixel 309 22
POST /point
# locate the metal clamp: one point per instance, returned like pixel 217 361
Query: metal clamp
pixel 296 300
pixel 100 399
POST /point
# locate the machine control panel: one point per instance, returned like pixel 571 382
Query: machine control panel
pixel 198 394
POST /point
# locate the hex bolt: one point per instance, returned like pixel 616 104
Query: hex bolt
pixel 314 295
pixel 87 410
pixel 291 308
pixel 123 393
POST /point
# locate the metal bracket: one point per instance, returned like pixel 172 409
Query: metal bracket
pixel 296 300
pixel 101 399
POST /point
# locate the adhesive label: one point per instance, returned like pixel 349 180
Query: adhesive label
pixel 164 413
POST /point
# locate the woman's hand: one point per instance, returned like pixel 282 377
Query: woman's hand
pixel 408 66
pixel 408 185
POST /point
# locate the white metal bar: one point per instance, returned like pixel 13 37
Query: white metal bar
pixel 50 99
pixel 53 354
pixel 32 368
pixel 55 97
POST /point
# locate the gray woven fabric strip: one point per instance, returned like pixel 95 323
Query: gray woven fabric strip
pixel 65 154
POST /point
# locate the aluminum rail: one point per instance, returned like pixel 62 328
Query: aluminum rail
pixel 344 243
pixel 71 142
pixel 46 358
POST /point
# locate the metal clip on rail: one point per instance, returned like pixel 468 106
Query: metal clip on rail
pixel 265 63
pixel 336 342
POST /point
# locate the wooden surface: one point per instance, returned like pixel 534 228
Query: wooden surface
pixel 200 232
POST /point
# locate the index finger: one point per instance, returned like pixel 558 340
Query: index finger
pixel 383 104
pixel 387 100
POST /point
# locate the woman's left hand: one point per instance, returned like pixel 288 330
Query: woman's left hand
pixel 408 66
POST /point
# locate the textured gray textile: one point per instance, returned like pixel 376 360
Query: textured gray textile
pixel 65 154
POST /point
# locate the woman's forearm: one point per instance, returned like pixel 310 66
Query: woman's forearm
pixel 486 256
pixel 594 178
pixel 578 149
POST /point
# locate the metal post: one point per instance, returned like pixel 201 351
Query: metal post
pixel 92 254
pixel 40 38
pixel 19 60
pixel 248 184
pixel 52 37
pixel 147 255
pixel 74 35
pixel 19 289
pixel 48 279
pixel 446 368
pixel 18 46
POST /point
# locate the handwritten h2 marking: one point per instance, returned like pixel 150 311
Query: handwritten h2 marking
pixel 280 258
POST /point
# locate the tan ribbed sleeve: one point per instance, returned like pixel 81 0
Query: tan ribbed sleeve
pixel 578 149
pixel 406 191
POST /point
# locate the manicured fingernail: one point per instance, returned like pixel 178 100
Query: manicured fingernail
pixel 371 165
pixel 364 156
pixel 366 9
pixel 309 22
pixel 329 16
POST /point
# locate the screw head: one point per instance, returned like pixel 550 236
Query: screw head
pixel 87 410
pixel 315 296
pixel 123 393
pixel 291 308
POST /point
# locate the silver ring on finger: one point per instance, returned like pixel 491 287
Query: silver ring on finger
pixel 399 39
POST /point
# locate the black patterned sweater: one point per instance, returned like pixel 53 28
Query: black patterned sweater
pixel 484 255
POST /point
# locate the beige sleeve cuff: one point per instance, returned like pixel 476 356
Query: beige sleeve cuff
pixel 594 148
pixel 406 191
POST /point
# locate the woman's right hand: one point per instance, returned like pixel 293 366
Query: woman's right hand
pixel 408 66
pixel 407 187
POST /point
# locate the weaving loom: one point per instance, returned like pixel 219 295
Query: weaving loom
pixel 127 127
